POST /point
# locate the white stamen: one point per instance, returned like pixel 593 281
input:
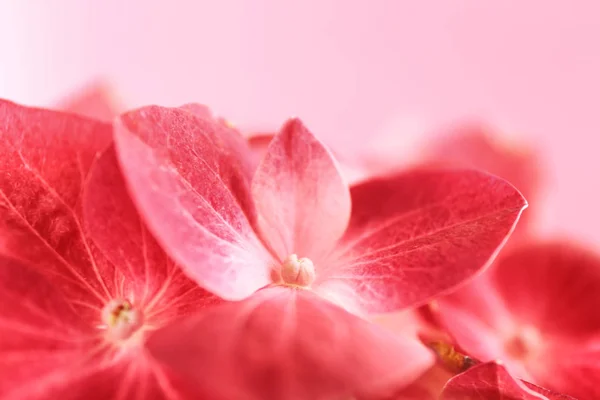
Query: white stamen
pixel 296 271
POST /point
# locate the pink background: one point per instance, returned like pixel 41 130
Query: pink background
pixel 350 69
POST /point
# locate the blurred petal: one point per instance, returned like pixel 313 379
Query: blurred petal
pixel 415 235
pixel 285 343
pixel 259 143
pixel 302 201
pixel 536 309
pixel 191 186
pixel 96 101
pixel 45 157
pixel 145 271
pixel 491 381
pixel 554 286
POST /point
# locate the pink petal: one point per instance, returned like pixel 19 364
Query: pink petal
pixel 577 371
pixel 415 235
pixel 490 381
pixel 284 343
pixel 96 101
pixel 554 286
pixel 235 142
pixel 190 184
pixel 550 289
pixel 144 271
pixel 302 201
pixel 477 146
pixel 45 157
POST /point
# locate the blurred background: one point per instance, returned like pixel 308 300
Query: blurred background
pixel 354 71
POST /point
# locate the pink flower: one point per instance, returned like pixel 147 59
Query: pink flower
pixel 536 311
pixel 491 381
pixel 82 282
pixel 288 227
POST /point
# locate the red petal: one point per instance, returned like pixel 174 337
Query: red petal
pixel 191 187
pixel 490 381
pixel 45 157
pixel 283 343
pixel 417 234
pixel 146 275
pixel 40 335
pixel 555 286
pixel 94 102
pixel 302 201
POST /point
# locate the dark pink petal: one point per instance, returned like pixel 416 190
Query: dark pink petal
pixel 491 381
pixel 95 101
pixel 145 273
pixel 415 235
pixel 285 343
pixel 191 187
pixel 45 157
pixel 302 201
pixel 475 145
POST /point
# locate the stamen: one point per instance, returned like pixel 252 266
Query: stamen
pixel 523 344
pixel 300 272
pixel 121 319
pixel 451 359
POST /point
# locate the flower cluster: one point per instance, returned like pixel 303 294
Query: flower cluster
pixel 161 254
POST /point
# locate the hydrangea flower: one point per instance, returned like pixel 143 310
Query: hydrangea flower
pixel 306 255
pixel 82 281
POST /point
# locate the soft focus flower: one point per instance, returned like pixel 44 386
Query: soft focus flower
pixel 536 311
pixel 287 227
pixel 491 381
pixel 82 282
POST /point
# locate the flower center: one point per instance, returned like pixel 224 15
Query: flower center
pixel 524 344
pixel 121 319
pixel 300 272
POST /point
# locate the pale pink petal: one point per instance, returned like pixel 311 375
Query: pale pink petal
pixel 285 343
pixel 45 157
pixel 95 101
pixel 491 381
pixel 418 234
pixel 302 201
pixel 190 185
